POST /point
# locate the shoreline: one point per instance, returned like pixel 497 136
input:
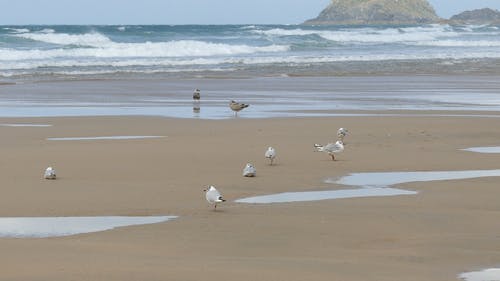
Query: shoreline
pixel 391 68
pixel 268 97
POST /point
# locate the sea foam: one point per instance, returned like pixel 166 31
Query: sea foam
pixel 103 47
pixel 17 30
pixel 40 60
pixel 88 39
pixel 370 35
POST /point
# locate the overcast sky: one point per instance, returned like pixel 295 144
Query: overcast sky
pixel 186 11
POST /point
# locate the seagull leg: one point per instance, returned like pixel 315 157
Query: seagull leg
pixel 333 157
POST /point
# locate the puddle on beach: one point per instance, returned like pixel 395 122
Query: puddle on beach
pixel 484 149
pixel 386 179
pixel 323 195
pixel 24 125
pixel 491 274
pixel 42 227
pixel 369 185
pixel 105 138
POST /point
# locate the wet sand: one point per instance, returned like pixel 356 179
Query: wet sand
pixel 269 97
pixel 449 227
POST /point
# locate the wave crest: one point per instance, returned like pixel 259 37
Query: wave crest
pixel 369 35
pixel 87 39
pixel 182 48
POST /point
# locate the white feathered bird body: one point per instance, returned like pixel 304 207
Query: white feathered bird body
pixel 237 106
pixel 270 154
pixel 50 174
pixel 249 171
pixel 213 196
pixel 331 148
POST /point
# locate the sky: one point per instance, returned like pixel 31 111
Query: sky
pixel 21 12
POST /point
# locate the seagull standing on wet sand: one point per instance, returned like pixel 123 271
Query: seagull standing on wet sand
pixel 196 95
pixel 331 148
pixel 50 174
pixel 249 171
pixel 237 106
pixel 270 154
pixel 213 196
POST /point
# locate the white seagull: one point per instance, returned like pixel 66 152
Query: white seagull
pixel 341 133
pixel 237 106
pixel 331 148
pixel 50 174
pixel 213 196
pixel 196 94
pixel 270 154
pixel 249 171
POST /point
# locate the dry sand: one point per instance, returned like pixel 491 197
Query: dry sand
pixel 448 228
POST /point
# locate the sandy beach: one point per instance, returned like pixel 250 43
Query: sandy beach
pixel 448 228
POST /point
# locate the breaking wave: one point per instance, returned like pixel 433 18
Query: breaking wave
pixel 80 50
pixel 102 47
pixel 89 39
pixel 370 35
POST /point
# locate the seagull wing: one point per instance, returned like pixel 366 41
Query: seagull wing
pixel 338 147
pixel 213 195
pixel 332 148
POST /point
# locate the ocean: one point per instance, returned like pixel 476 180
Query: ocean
pixel 281 70
pixel 34 53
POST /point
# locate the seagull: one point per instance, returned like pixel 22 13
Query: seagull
pixel 213 196
pixel 50 174
pixel 341 133
pixel 270 154
pixel 196 94
pixel 236 106
pixel 331 148
pixel 249 171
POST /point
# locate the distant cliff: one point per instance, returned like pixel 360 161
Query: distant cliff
pixel 360 12
pixel 481 16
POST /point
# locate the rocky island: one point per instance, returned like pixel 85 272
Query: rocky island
pixel 367 12
pixel 479 16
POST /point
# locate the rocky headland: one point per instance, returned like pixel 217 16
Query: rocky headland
pixel 368 12
pixel 479 16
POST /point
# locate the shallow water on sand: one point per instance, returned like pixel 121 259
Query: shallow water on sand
pixel 324 195
pixel 105 138
pixel 268 97
pixel 24 125
pixel 385 179
pixel 484 149
pixel 491 274
pixel 41 227
pixel 369 185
